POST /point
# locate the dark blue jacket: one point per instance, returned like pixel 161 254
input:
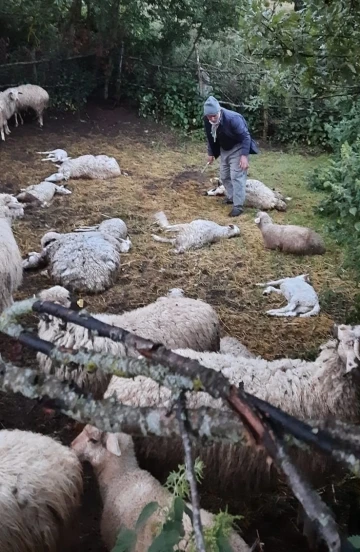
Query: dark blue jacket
pixel 231 131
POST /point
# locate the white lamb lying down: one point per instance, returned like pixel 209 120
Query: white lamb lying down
pixel 42 193
pixel 301 296
pixel 258 195
pixel 84 260
pixel 87 166
pixel 55 156
pixel 195 234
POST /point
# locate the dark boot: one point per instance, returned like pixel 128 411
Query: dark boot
pixel 236 211
pixel 227 201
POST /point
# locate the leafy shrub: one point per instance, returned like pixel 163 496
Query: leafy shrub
pixel 341 179
pixel 71 88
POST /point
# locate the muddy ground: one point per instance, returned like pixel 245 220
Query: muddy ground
pixel 162 173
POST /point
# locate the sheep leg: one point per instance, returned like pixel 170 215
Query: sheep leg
pixel 288 310
pixel 2 134
pixel 7 130
pixel 272 283
pixel 270 289
pixel 40 116
pixel 21 119
pixel 163 240
pixel 16 119
pixel 313 312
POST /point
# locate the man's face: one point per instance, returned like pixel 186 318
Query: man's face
pixel 213 118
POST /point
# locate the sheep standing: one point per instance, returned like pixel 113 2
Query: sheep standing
pixel 31 96
pixel 301 296
pixel 308 390
pixel 87 166
pixel 41 193
pixel 126 489
pixel 258 196
pixel 83 260
pixel 289 238
pixel 11 271
pixel 9 100
pixel 195 234
pixel 173 321
pixel 41 487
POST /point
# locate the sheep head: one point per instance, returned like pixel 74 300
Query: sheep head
pixel 233 230
pixel 349 346
pixel 48 238
pixel 62 296
pixel 10 207
pixel 96 447
pixel 262 218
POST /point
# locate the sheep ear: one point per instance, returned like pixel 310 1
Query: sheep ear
pixel 112 444
pixel 257 220
pixel 231 226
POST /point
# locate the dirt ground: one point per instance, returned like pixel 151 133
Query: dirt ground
pixel 163 173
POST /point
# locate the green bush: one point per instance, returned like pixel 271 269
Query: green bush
pixel 71 88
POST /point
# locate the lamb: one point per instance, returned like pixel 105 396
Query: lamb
pixel 289 238
pixel 9 100
pixel 11 272
pixel 301 296
pixel 171 320
pixel 41 487
pixel 85 260
pixel 41 193
pixel 87 166
pixel 320 390
pixel 126 489
pixel 55 156
pixel 31 96
pixel 257 196
pixel 195 234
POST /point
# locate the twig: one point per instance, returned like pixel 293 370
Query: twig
pixel 190 472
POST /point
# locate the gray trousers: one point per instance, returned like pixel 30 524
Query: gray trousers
pixel 233 178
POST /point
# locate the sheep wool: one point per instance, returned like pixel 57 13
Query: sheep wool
pixel 258 196
pixel 41 487
pixel 87 166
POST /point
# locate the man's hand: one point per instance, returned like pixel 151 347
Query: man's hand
pixel 210 159
pixel 244 163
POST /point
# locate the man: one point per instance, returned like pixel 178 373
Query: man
pixel 228 136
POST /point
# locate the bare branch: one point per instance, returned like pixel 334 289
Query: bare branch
pixel 190 472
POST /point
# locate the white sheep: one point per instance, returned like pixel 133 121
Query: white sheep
pixel 195 234
pixel 55 156
pixel 126 489
pixel 87 166
pixel 83 260
pixel 289 238
pixel 41 487
pixel 8 104
pixel 301 296
pixel 232 346
pixel 323 389
pixel 31 96
pixel 11 271
pixel 258 195
pixel 171 320
pixel 41 193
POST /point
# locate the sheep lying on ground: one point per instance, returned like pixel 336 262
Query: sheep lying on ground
pixel 8 104
pixel 55 156
pixel 172 320
pixel 301 296
pixel 84 260
pixel 195 234
pixel 323 389
pixel 257 196
pixel 87 166
pixel 41 193
pixel 126 489
pixel 11 271
pixel 232 346
pixel 289 238
pixel 41 487
pixel 31 96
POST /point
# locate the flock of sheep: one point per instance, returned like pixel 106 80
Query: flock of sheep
pixel 42 479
